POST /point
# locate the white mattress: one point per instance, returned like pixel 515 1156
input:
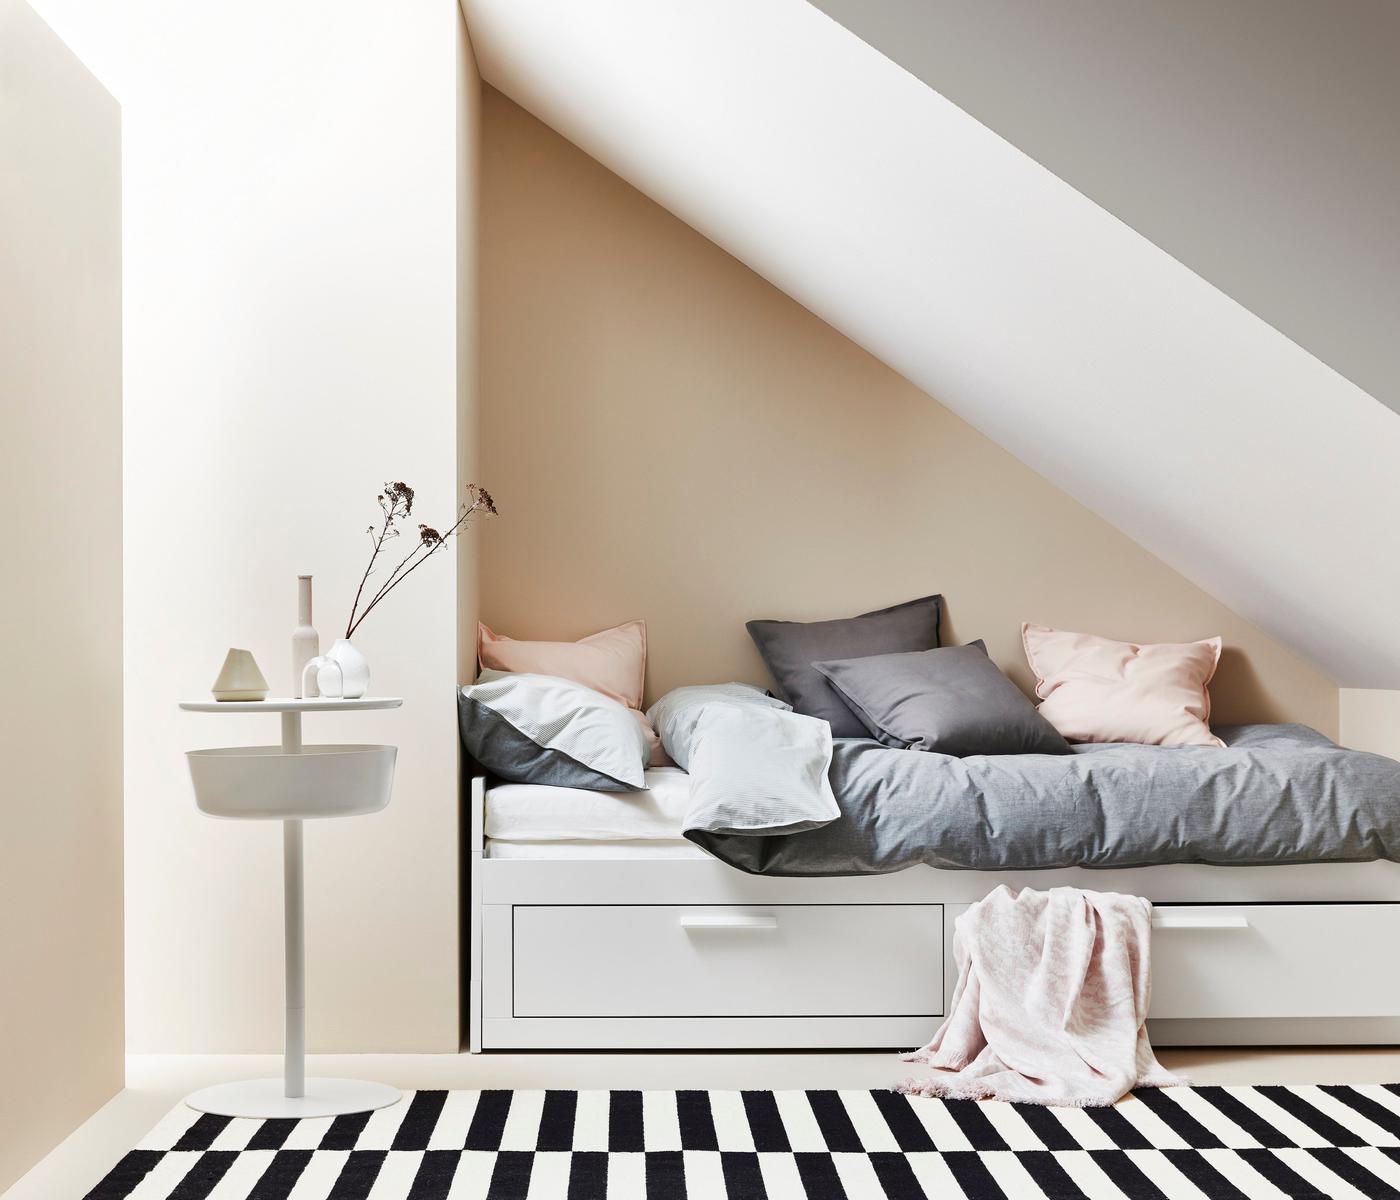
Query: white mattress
pixel 635 849
pixel 527 812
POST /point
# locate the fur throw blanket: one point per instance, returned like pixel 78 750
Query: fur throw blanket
pixel 1051 1002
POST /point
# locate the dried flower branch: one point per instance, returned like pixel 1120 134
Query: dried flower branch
pixel 396 503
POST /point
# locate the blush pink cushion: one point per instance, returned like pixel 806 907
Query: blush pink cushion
pixel 613 662
pixel 1097 690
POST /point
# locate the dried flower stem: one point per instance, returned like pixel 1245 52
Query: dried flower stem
pixel 397 501
pixel 414 560
pixel 378 544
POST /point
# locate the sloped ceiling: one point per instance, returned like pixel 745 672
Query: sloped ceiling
pixel 1258 141
pixel 1095 357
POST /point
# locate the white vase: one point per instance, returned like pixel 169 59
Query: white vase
pixel 306 642
pixel 353 667
pixel 322 679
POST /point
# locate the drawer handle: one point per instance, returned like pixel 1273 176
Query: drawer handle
pixel 1204 921
pixel 728 921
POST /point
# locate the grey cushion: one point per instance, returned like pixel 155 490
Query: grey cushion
pixel 949 701
pixel 789 649
pixel 540 729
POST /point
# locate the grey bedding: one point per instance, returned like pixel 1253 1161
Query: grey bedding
pixel 1275 794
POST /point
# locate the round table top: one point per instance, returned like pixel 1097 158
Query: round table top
pixel 281 704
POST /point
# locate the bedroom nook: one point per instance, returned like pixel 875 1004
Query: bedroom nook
pixel 834 553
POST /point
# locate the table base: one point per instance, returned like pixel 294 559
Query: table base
pixel 266 1098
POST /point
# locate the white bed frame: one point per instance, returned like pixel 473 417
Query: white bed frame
pixel 691 954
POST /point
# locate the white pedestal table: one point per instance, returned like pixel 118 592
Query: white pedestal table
pixel 291 783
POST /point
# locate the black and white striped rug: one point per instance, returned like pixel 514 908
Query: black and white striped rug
pixel 1339 1143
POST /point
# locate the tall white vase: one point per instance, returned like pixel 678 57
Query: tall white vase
pixel 306 642
pixel 353 666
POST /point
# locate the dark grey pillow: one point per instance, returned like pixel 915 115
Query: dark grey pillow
pixel 789 649
pixel 949 701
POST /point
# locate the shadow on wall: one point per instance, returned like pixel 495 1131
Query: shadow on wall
pixel 1238 691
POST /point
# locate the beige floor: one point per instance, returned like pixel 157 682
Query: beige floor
pixel 156 1084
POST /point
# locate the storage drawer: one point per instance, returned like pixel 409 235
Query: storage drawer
pixel 1275 960
pixel 787 960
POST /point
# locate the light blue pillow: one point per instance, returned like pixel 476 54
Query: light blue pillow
pixel 676 714
pixel 542 729
pixel 755 765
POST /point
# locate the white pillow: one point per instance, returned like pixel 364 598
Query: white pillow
pixel 542 729
pixel 756 769
pixel 755 765
pixel 676 714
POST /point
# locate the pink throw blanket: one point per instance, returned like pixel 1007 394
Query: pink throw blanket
pixel 1051 1002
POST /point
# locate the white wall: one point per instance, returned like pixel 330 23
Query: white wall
pixel 61 602
pixel 469 464
pixel 1094 357
pixel 291 343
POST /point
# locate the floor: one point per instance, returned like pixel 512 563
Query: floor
pixel 155 1084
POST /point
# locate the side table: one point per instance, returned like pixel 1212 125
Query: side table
pixel 291 783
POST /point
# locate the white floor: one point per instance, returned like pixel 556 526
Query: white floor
pixel 156 1084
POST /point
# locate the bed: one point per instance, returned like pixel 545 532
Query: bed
pixel 618 921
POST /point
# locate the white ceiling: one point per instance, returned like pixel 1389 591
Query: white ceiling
pixel 1255 140
pixel 1095 357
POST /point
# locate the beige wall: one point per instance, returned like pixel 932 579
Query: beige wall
pixel 670 437
pixel 61 603
pixel 1370 720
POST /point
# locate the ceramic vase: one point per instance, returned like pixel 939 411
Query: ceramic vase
pixel 306 642
pixel 353 667
pixel 240 678
pixel 322 678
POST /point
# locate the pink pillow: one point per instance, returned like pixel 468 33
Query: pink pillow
pixel 613 662
pixel 1098 690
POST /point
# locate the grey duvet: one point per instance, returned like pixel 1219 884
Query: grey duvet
pixel 1275 794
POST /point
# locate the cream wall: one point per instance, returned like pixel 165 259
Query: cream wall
pixel 292 225
pixel 671 437
pixel 61 605
pixel 1370 720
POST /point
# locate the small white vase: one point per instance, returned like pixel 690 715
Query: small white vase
pixel 314 676
pixel 353 667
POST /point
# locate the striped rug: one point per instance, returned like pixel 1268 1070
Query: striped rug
pixel 1334 1142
